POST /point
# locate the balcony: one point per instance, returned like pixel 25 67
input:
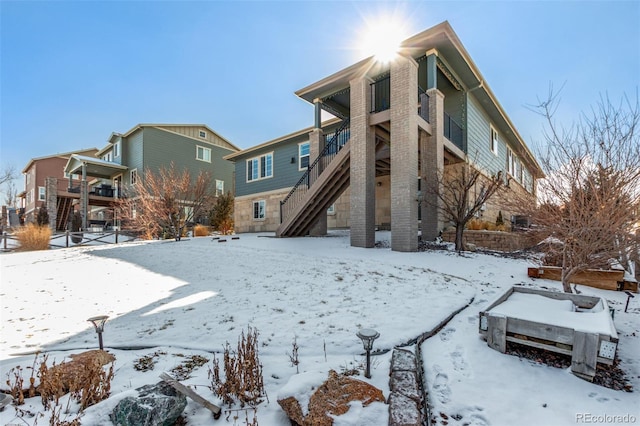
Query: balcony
pixel 453 131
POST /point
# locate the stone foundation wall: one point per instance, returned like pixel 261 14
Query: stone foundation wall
pixel 243 212
pixel 492 240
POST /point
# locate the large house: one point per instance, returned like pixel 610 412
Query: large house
pixel 107 175
pixel 399 126
pixel 35 174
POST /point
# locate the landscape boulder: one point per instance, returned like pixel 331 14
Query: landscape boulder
pixel 330 398
pixel 155 405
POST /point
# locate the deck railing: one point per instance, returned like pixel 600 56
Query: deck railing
pixel 380 94
pixel 334 142
pixel 453 130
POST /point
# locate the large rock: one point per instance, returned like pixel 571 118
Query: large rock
pixel 331 398
pixel 155 405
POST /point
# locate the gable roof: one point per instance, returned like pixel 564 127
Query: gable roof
pixel 63 155
pixel 165 127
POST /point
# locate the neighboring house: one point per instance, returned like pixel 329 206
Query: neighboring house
pixel 123 162
pixel 35 173
pixel 401 124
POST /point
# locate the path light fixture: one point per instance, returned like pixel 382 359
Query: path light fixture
pixel 98 324
pixel 368 335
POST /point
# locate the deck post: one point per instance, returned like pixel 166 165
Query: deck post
pixel 584 355
pixel 497 332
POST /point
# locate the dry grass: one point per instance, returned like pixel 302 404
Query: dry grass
pixel 483 225
pixel 201 231
pixel 91 385
pixel 243 373
pixel 34 237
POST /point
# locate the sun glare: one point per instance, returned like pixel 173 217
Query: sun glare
pixel 381 37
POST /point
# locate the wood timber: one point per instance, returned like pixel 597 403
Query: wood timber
pixel 597 278
pixel 217 411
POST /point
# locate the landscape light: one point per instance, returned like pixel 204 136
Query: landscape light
pixel 368 335
pixel 98 324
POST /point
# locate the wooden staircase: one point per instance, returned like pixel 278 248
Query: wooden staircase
pixel 326 189
pixel 64 207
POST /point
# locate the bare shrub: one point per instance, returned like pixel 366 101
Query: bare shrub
pixel 34 237
pixel 293 356
pixel 89 386
pixel 200 231
pixel 243 373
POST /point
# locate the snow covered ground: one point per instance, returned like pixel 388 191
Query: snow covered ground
pixel 177 299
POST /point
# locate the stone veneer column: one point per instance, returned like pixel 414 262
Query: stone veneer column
pixel 404 154
pixel 316 145
pixel 363 167
pixel 432 159
pixel 51 197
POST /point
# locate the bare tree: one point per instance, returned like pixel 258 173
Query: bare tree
pixel 163 203
pixel 10 194
pixel 459 194
pixel 590 198
pixel 7 174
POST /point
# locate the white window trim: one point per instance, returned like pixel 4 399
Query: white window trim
pixel 42 194
pixel 259 160
pixel 264 210
pixel 494 138
pixel 300 167
pixel 221 191
pixel 204 149
pixel 132 173
pixel 332 209
pixel 116 149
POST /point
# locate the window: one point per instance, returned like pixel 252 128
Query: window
pixel 116 149
pixel 133 176
pixel 28 178
pixel 203 154
pixel 494 141
pixel 202 134
pixel 303 156
pixel 331 209
pixel 74 176
pixel 108 156
pixel 219 187
pixel 41 193
pixel 258 209
pixel 260 167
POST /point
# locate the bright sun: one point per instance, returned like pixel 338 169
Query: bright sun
pixel 381 37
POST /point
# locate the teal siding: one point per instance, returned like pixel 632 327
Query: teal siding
pixel 478 135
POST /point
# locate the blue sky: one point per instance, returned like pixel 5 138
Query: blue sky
pixel 73 72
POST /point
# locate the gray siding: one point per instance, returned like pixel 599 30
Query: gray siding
pixel 285 172
pixel 161 148
pixel 478 143
pixel 132 155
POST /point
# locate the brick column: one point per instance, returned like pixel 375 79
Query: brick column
pixel 51 197
pixel 432 167
pixel 404 154
pixel 316 145
pixel 363 167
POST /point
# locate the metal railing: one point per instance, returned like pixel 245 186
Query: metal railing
pixel 453 130
pixel 381 94
pixel 423 104
pixel 334 143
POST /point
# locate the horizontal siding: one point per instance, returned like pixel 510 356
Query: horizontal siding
pixel 162 147
pixel 478 135
pixel 285 173
pixel 132 155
